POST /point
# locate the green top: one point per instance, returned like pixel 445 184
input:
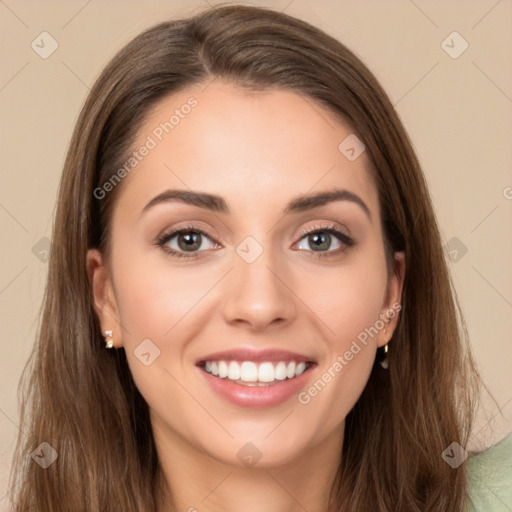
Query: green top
pixel 490 478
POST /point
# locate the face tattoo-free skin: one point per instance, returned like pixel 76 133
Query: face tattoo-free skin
pixel 239 341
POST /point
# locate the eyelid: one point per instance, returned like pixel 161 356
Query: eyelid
pixel 328 225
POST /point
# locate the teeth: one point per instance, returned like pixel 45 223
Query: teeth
pixel 223 369
pixel 266 372
pixel 233 371
pixel 300 368
pixel 248 371
pixel 280 371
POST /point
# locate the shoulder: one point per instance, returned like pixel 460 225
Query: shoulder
pixel 490 478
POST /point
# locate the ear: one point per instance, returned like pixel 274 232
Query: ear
pixel 393 303
pixel 104 297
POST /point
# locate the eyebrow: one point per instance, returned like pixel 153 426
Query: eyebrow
pixel 218 204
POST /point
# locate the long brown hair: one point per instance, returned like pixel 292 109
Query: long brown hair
pixel 81 399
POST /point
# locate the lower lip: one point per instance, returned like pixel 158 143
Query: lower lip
pixel 257 396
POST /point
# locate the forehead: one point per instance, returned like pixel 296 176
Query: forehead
pixel 251 147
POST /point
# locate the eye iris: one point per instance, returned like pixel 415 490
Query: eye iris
pixel 316 237
pixel 191 240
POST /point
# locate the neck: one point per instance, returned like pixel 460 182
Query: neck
pixel 199 483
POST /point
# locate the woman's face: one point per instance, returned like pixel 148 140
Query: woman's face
pixel 249 282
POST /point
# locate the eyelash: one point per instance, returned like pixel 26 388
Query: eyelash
pixel 330 229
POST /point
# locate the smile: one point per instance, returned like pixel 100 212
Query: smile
pixel 249 373
pixel 256 378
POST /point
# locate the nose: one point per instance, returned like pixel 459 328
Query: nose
pixel 259 294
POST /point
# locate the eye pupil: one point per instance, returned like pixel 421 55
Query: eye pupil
pixel 191 241
pixel 321 245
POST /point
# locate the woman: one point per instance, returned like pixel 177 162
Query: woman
pixel 198 351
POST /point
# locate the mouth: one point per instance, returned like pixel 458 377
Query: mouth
pixel 250 373
pixel 256 378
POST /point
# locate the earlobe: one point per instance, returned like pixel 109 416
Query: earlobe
pixel 103 295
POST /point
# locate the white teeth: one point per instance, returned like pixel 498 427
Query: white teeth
pixel 233 371
pixel 300 369
pixel 280 371
pixel 223 369
pixel 249 371
pixel 290 370
pixel 266 372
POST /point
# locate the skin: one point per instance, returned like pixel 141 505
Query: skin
pixel 253 149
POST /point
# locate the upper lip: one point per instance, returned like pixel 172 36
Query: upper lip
pixel 258 356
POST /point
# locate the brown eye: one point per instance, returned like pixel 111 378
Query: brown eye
pixel 189 241
pixel 185 240
pixel 320 241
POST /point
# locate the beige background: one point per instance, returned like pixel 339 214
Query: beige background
pixel 457 111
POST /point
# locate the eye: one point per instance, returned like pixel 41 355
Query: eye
pixel 188 239
pixel 320 239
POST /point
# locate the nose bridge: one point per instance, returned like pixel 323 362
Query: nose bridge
pixel 257 292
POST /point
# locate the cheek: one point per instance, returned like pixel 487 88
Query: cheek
pixel 153 294
pixel 349 299
pixel 349 308
pixel 156 303
pixel 159 302
pixel 351 314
